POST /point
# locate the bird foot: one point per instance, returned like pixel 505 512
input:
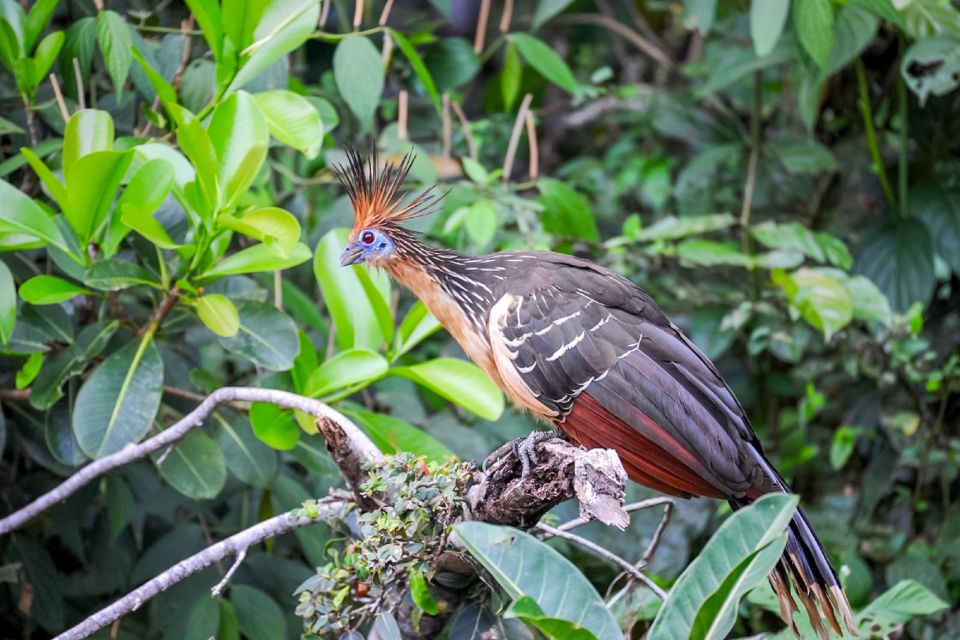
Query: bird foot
pixel 524 448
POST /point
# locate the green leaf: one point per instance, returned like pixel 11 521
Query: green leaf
pixel 385 627
pixel 46 55
pixel 767 19
pixel 49 290
pixel 163 89
pixel 793 236
pixel 898 257
pixel 418 66
pixel 210 20
pixel 802 154
pixel 284 25
pixel 813 24
pixel 554 628
pixel 204 619
pixel 115 42
pixel 8 303
pixel 525 567
pixel 358 72
pixel 869 303
pixel 674 228
pixel 820 298
pixel 259 257
pixel 510 76
pixel 196 144
pixel 931 66
pixel 547 9
pixel 28 372
pixel 541 57
pixel 353 313
pixel 88 130
pixel 246 456
pixel 904 601
pixel 481 222
pixel 452 63
pixel 117 404
pixel 566 212
pixel 703 602
pixel 195 467
pixel 259 616
pixel 460 382
pixel 69 362
pixel 22 214
pixel 417 325
pixel 218 314
pixel 940 211
pixel 81 42
pixel 240 137
pixel 292 119
pixel 420 593
pixel 37 19
pixel 92 183
pixel 147 226
pixel 52 182
pixel 271 225
pixel 346 369
pixel 267 336
pixel 392 435
pixel 147 190
pixel 844 440
pixel 274 426
pixel 699 14
pixel 709 253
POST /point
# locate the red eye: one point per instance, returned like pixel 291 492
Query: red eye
pixel 367 237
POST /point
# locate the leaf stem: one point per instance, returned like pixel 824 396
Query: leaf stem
pixel 867 113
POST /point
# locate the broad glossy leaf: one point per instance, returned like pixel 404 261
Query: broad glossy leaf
pixel 147 189
pixel 418 325
pixel 210 20
pixel 117 404
pixel 115 42
pixel 8 303
pixel 115 275
pixel 92 183
pixel 147 226
pixel 279 228
pixel 904 601
pixel 731 562
pixel 358 72
pixel 36 21
pixel 274 426
pixel 71 361
pixel 259 616
pixel 767 19
pixel 195 467
pixel 204 619
pixel 80 43
pixel 352 311
pixel 49 290
pixel 257 258
pixel 392 435
pixel 524 566
pixel 418 66
pixel 267 336
pixel 939 209
pixel 246 456
pixel 460 382
pixel 346 369
pixel 22 214
pixel 819 246
pixel 813 25
pixel 541 57
pixel 218 314
pixel 869 303
pixel 88 130
pixel 53 184
pixel 566 212
pixel 292 120
pixel 452 63
pixel 821 298
pixel 284 25
pixel 240 137
pixel 898 257
pixel 46 55
pixel 59 436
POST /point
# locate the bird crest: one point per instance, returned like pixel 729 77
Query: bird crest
pixel 376 193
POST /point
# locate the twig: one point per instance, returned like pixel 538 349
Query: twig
pixel 177 431
pixel 357 14
pixel 650 550
pixel 480 36
pixel 532 148
pixel 446 128
pixel 385 14
pixel 64 112
pixel 220 586
pixel 163 309
pixel 78 75
pixel 506 16
pixel 278 290
pixel 402 100
pixel 467 129
pixel 629 508
pixel 185 27
pixel 620 29
pixel 235 545
pixel 553 532
pixel 324 14
pixel 515 136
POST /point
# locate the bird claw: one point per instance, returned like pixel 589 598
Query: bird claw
pixel 525 449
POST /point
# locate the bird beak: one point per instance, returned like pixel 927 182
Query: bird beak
pixel 352 254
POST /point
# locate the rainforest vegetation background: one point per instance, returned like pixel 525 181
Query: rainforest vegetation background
pixel 783 176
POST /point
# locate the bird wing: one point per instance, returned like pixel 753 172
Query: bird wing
pixel 611 370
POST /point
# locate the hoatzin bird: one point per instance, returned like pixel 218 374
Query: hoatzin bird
pixel 586 350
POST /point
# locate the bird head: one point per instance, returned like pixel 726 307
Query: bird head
pixel 378 206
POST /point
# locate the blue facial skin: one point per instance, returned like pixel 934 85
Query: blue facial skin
pixel 370 245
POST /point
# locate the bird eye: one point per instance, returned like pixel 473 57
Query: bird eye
pixel 367 237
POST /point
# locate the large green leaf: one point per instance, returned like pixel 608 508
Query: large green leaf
pixel 195 467
pixel 259 616
pixel 525 567
pixel 821 298
pixel 267 336
pixel 46 389
pixel 274 426
pixel 240 137
pixel 147 189
pixel 114 275
pixel 939 209
pixel 8 303
pixel 92 183
pixel 346 369
pixel 117 404
pixel 898 257
pixel 218 314
pixel 115 41
pixel 541 57
pixel 358 71
pixel 418 66
pixel 452 63
pixel 88 130
pixel 460 382
pixel 931 66
pixel 418 325
pixel 566 212
pixel 813 24
pixel 904 601
pixel 21 214
pixel 767 19
pixel 49 290
pixel 738 556
pixel 392 435
pixel 278 228
pixel 247 457
pixel 258 258
pixel 292 119
pixel 352 311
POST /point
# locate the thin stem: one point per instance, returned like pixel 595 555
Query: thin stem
pixel 481 34
pixel 515 136
pixel 867 112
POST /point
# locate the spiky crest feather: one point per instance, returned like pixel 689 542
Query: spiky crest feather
pixel 376 194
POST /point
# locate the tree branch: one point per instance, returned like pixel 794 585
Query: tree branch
pixel 235 545
pixel 359 442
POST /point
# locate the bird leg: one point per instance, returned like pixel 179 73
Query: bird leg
pixel 524 448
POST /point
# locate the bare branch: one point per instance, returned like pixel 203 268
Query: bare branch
pixel 518 125
pixel 235 545
pixel 481 35
pixel 467 131
pixel 220 586
pixel 358 440
pixel 64 112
